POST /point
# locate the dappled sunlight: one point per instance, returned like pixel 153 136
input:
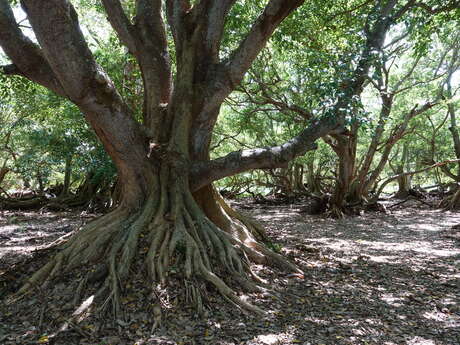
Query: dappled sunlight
pixel 422 247
pixel 22 233
pixel 383 258
pixel 420 341
pixel 423 227
pixel 440 316
pixel 379 278
pixel 392 300
pixel 275 338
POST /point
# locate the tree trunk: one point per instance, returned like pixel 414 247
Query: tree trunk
pixel 404 182
pixel 299 186
pixel 367 179
pixel 3 172
pixel 313 182
pixel 451 202
pixel 345 147
pixel 197 231
pixel 455 136
pixel 168 215
pixel 41 184
pixel 67 177
pixel 363 183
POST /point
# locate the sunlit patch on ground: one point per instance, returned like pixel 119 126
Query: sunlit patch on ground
pixel 376 279
pixel 22 233
pixel 420 341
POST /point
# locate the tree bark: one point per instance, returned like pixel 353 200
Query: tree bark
pixel 67 176
pixel 3 172
pixel 168 210
pixel 345 143
pixel 404 180
pixel 453 124
pixel 409 173
pixel 345 148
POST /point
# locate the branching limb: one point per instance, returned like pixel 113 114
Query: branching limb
pixel 63 44
pixel 242 58
pixel 146 40
pixel 27 57
pixel 176 11
pixel 451 5
pixel 121 24
pixel 213 13
pixel 231 71
pixel 203 173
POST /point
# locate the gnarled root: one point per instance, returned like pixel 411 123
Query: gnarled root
pixel 169 235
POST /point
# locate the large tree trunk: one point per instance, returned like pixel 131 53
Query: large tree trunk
pixel 345 147
pixel 161 222
pixel 168 214
pixel 197 231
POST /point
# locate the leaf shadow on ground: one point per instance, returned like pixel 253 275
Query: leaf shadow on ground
pixel 374 279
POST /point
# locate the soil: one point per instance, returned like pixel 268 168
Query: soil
pixel 379 278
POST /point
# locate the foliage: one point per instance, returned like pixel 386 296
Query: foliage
pixel 298 78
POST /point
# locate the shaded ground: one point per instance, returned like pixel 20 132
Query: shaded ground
pixel 375 279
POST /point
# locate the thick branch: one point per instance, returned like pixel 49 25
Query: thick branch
pixel 445 169
pixel 28 59
pixel 147 41
pixel 230 72
pixel 55 24
pixel 387 104
pixel 120 23
pixel 452 5
pixel 213 12
pixel 241 59
pixel 56 27
pixel 397 133
pixel 222 78
pixel 12 70
pixel 203 173
pixel 153 58
pixel 176 11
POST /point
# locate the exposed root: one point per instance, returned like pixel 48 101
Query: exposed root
pixel 253 227
pixel 451 202
pixel 169 235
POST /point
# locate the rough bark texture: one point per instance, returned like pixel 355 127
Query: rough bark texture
pixel 404 181
pixel 168 214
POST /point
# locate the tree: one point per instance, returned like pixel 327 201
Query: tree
pixel 329 79
pixel 169 214
pixel 168 205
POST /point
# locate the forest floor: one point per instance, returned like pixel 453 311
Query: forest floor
pixel 385 279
